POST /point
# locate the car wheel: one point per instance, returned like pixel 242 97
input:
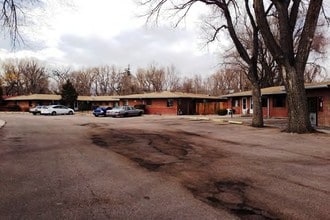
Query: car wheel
pixel 96 115
pixel 70 113
pixel 34 113
pixel 140 113
pixel 54 113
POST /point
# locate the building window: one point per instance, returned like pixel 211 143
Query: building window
pixel 244 103
pixel 148 101
pixel 125 102
pixel 264 102
pixel 279 101
pixel 235 103
pixel 169 102
pixel 251 103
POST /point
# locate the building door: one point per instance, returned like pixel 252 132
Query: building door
pixel 181 107
pixel 312 110
pixel 251 106
pixel 186 107
pixel 75 106
pixel 244 106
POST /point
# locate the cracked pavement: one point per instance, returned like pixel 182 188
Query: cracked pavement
pixel 156 167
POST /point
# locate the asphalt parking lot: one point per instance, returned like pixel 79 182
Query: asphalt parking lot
pixel 160 167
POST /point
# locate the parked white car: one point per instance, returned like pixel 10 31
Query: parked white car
pixel 56 110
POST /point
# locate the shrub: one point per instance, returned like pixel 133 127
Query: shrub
pixel 222 112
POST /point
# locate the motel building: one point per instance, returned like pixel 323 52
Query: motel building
pixel 274 104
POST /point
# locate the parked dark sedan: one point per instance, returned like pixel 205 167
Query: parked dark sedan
pixel 101 111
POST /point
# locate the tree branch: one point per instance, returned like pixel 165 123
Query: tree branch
pixel 308 32
pixel 264 27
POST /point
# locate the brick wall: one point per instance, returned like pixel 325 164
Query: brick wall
pixel 157 107
pixel 273 111
pixel 323 114
pixel 23 105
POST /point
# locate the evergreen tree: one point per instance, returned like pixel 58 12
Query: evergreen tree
pixel 69 94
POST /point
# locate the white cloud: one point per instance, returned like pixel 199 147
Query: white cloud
pixel 100 32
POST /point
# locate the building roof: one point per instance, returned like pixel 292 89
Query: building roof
pixel 167 94
pixel 318 85
pixel 97 98
pixel 276 90
pixel 265 91
pixel 34 97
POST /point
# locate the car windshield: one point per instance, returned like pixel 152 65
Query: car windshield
pixel 118 108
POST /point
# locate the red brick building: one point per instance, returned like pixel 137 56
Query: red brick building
pixel 25 102
pixel 163 103
pixel 175 103
pixel 275 105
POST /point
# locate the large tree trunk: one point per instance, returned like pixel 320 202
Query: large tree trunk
pixel 298 117
pixel 292 60
pixel 257 120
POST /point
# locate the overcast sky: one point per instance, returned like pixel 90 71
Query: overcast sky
pixel 107 32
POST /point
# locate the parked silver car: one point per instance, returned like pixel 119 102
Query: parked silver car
pixel 124 111
pixel 56 110
pixel 36 110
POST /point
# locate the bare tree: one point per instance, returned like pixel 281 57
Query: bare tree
pixel 11 79
pixel 227 14
pixel 172 79
pixel 291 60
pixel 151 79
pixel 156 77
pixel 115 80
pixel 199 84
pixel 143 83
pixel 227 81
pixel 102 80
pixel 314 70
pixel 34 77
pixel 10 18
pixel 82 80
pixel 60 76
pixel 13 16
pixel 24 77
pixel 267 70
pixel 187 85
